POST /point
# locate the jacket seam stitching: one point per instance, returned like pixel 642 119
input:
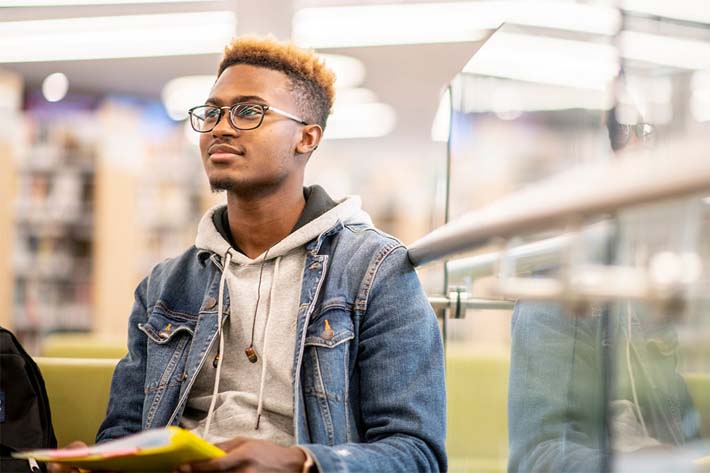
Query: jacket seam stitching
pixel 364 293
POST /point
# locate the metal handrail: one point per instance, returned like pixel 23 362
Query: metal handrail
pixel 584 192
pixel 526 257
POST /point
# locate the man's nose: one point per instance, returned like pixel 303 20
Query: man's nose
pixel 224 125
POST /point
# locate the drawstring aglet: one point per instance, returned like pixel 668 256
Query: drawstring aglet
pixel 251 354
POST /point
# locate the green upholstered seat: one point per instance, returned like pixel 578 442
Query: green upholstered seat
pixel 78 390
pixel 699 387
pixel 477 394
pixel 78 345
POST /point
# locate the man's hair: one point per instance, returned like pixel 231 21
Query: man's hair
pixel 311 81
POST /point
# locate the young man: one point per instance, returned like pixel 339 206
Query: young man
pixel 327 352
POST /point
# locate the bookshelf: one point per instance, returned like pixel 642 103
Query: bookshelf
pixel 53 221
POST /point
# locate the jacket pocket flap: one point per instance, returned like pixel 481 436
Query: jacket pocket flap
pixel 332 326
pixel 161 327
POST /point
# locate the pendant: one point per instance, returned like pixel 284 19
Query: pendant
pixel 251 354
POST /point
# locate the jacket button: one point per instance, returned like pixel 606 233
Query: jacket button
pixel 210 303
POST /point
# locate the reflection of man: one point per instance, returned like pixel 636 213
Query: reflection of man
pixel 327 341
pixel 557 400
pixel 561 416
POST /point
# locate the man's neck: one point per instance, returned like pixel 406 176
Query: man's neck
pixel 258 224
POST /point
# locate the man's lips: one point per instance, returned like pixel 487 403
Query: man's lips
pixel 224 152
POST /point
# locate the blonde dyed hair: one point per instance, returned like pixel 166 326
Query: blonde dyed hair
pixel 311 81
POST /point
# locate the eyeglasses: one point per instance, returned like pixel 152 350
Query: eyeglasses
pixel 621 134
pixel 242 116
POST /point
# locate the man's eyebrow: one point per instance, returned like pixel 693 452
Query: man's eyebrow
pixel 235 99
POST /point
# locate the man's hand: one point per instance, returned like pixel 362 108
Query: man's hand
pixel 60 467
pixel 245 455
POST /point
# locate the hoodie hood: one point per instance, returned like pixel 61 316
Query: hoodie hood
pixel 347 211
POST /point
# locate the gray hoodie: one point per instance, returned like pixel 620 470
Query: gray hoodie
pixel 257 394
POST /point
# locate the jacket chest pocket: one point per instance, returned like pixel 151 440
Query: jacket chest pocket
pixel 327 352
pixel 169 338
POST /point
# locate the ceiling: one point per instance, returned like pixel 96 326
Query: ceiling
pixel 409 77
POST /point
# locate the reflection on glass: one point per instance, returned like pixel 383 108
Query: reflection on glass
pixel 615 383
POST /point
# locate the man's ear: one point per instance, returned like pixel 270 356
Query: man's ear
pixel 310 139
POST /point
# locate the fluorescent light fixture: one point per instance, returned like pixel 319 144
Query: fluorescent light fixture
pixel 368 120
pixel 55 87
pixel 349 71
pixel 65 3
pixel 182 93
pixel 665 50
pixel 167 34
pixel 442 119
pixel 416 23
pixel 508 99
pixel 688 10
pixel 546 60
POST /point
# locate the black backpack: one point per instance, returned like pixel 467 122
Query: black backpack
pixel 25 420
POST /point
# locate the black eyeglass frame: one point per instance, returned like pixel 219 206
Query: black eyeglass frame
pixel 233 108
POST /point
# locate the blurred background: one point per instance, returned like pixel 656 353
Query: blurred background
pixel 100 176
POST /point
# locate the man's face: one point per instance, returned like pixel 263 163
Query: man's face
pixel 254 161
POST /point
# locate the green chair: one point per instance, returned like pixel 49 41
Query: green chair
pixel 78 390
pixel 699 387
pixel 477 395
pixel 82 345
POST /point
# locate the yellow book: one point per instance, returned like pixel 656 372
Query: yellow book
pixel 150 451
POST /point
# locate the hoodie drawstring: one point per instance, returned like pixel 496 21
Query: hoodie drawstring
pixel 220 352
pixel 260 403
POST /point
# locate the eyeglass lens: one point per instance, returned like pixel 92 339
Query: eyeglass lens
pixel 244 116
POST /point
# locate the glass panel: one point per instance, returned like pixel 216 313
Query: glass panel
pixel 658 406
pixel 659 411
pixel 611 370
pixel 523 385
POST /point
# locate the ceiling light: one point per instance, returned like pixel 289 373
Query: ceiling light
pixel 415 23
pixel 167 34
pixel 665 50
pixel 349 71
pixel 55 87
pixel 182 93
pixel 506 98
pixel 367 120
pixel 546 60
pixel 689 10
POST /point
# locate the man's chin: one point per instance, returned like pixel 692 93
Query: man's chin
pixel 221 185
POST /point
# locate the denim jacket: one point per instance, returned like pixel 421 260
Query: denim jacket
pixel 369 398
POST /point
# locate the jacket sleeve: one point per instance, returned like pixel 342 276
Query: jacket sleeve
pixel 125 407
pixel 401 375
